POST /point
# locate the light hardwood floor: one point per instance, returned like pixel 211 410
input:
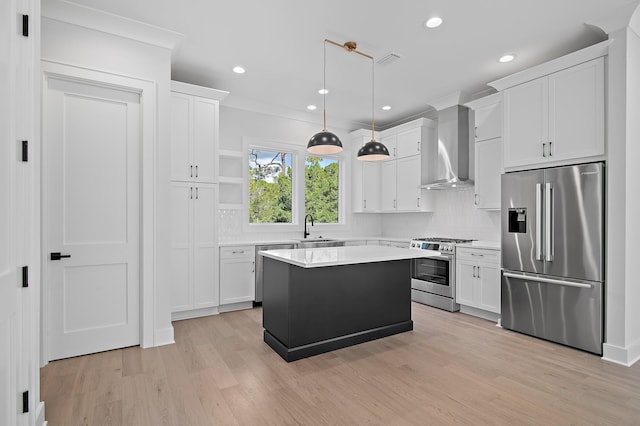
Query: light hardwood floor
pixel 452 368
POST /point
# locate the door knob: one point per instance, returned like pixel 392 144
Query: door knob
pixel 58 256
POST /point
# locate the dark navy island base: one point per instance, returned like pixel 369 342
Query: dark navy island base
pixel 309 311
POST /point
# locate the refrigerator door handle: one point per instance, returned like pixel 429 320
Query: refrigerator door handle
pixel 546 280
pixel 538 221
pixel 548 237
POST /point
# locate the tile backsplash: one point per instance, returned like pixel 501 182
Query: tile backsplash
pixel 455 216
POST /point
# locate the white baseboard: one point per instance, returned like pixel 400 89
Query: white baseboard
pixel 164 336
pixel 491 316
pixel 40 421
pixel 194 313
pixel 626 356
pixel 235 306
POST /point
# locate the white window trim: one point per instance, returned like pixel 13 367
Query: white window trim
pixel 299 156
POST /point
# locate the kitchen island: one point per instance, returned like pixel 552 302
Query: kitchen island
pixel 322 299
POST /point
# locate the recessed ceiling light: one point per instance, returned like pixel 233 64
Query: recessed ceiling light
pixel 238 69
pixel 507 58
pixel 311 107
pixel 434 22
pixel 386 107
pixel 323 91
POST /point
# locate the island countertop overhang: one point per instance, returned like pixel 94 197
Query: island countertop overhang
pixel 349 255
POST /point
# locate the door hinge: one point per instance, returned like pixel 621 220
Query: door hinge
pixel 25 151
pixel 25 25
pixel 25 276
pixel 25 402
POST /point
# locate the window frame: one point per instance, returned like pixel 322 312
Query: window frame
pixel 299 155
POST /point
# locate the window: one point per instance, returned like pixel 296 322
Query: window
pixel 322 189
pixel 284 183
pixel 270 186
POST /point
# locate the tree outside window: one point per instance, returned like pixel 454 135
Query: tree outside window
pixel 270 189
pixel 321 189
pixel 271 176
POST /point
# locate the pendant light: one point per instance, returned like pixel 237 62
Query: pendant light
pixel 324 142
pixel 373 150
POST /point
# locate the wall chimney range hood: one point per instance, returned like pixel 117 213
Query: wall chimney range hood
pixel 452 171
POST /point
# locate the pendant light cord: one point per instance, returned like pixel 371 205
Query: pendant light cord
pixel 373 138
pixel 324 86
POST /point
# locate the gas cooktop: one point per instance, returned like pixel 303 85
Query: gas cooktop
pixel 443 245
pixel 443 240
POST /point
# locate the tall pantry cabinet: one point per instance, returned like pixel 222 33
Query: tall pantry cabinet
pixel 194 199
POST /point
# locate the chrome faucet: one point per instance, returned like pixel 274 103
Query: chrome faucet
pixel 305 224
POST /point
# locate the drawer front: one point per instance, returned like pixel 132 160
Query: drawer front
pixel 233 252
pixel 478 255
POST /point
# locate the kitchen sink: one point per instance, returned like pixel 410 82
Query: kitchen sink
pixel 315 243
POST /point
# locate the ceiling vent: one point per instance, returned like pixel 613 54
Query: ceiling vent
pixel 388 59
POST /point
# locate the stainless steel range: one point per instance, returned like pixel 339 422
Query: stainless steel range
pixel 433 278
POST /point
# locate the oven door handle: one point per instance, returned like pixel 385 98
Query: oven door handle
pixel 441 257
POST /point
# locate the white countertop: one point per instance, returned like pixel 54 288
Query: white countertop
pixel 289 241
pixel 492 245
pixel 349 255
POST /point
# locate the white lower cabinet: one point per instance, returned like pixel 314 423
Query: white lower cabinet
pixel 478 278
pixel 194 248
pixel 237 275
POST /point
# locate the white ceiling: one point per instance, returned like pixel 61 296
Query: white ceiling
pixel 280 43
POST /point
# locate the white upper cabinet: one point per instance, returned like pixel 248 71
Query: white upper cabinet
pixel 194 132
pixel 365 177
pixel 556 117
pixel 488 165
pixel 389 197
pixel 409 142
pixel 193 138
pixel 576 111
pixel 393 185
pixel 391 142
pixel 488 150
pixel 408 192
pixel 487 117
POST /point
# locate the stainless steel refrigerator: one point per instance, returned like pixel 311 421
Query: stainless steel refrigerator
pixel 553 254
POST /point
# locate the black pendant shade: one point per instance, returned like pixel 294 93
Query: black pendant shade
pixel 373 151
pixel 324 143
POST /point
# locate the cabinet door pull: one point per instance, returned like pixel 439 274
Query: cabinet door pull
pixel 191 192
pixel 475 132
pixel 190 171
pixel 476 254
pixel 364 204
pixel 418 203
pixel 474 272
pixel 478 276
pixel 196 171
pixel 196 192
pixel 394 204
pixel 418 146
pixel 550 153
pixel 475 199
pixel 253 266
pixel 395 152
pixel 237 251
pixel 544 145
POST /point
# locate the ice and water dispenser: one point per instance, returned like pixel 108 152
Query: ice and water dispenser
pixel 518 220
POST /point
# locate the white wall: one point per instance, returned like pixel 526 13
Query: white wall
pixel 236 124
pixel 455 216
pixel 79 46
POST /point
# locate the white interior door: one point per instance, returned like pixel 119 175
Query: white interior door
pixel 92 140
